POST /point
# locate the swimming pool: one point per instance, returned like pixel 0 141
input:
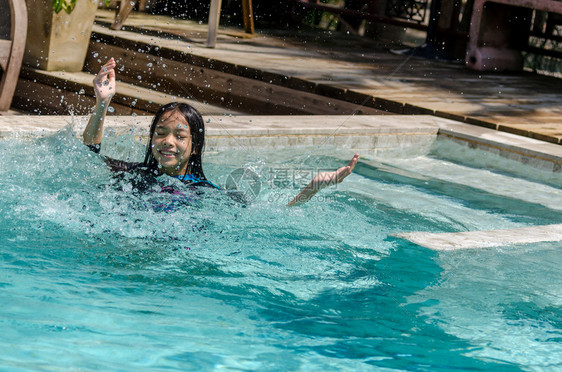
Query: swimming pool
pixel 92 278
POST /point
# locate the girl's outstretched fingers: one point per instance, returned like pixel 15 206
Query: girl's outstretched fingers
pixel 346 171
pixel 324 179
pixel 353 162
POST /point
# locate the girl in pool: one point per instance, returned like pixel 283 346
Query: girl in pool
pixel 176 141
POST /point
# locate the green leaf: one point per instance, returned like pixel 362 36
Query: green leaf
pixel 57 6
pixel 66 5
pixel 69 5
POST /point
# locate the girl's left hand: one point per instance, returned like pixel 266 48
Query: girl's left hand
pixel 322 180
pixel 325 179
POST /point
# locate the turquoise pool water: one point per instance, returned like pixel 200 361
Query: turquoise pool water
pixel 93 277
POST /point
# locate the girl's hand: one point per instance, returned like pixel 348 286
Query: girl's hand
pixel 325 179
pixel 104 82
pixel 322 180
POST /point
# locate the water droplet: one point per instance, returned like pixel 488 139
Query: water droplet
pixel 200 130
pixel 95 54
pixel 110 109
pixel 149 64
pixel 208 120
pixel 139 77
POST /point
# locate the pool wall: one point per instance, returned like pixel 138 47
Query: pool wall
pixel 391 135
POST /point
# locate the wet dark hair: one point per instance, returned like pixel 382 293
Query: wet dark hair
pixel 197 129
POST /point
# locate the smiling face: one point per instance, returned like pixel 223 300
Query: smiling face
pixel 171 143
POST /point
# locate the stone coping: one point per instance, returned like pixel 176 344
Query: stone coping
pixel 492 139
pixel 32 126
pixel 506 144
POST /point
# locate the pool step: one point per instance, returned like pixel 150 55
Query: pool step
pixel 58 92
pixel 485 238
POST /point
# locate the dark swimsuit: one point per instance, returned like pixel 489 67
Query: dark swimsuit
pixel 125 166
pixel 150 178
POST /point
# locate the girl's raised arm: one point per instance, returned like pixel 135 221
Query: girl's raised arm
pixel 322 180
pixel 104 86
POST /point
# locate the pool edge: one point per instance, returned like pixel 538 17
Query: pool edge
pixel 367 134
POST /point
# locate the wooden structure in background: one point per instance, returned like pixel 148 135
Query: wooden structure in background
pixel 215 14
pixel 11 52
pixel 500 31
pixel 126 6
pixel 447 10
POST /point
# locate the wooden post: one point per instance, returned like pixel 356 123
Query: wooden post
pixel 248 15
pixel 214 16
pixel 125 8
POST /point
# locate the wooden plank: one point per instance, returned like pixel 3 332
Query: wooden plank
pixel 37 98
pixel 202 83
pixel 56 92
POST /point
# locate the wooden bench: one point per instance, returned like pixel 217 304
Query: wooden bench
pixel 11 52
pixel 500 30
